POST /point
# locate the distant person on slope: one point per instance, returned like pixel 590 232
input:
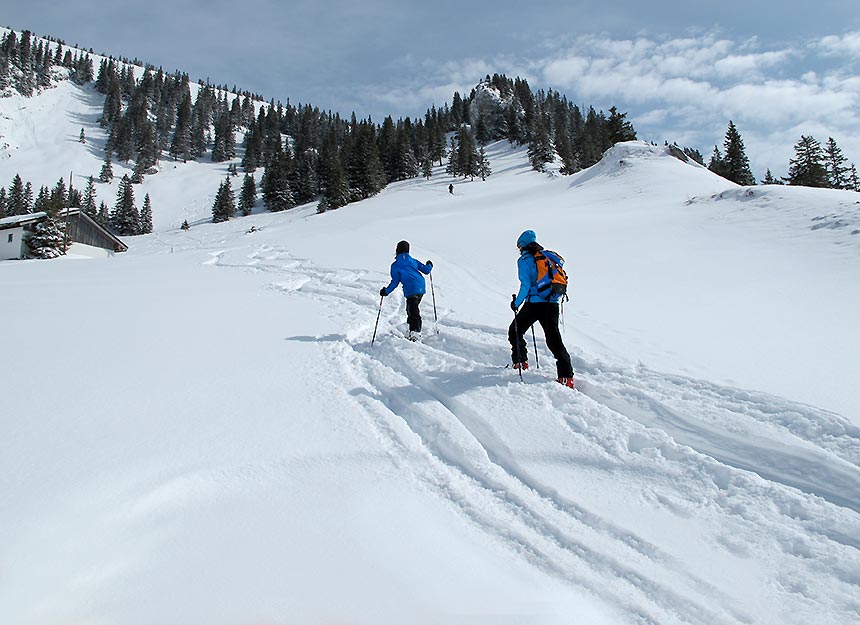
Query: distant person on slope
pixel 539 303
pixel 407 271
pixel 451 189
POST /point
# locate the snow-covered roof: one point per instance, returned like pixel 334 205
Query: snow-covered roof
pixel 20 220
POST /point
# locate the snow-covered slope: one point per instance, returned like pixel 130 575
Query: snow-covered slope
pixel 39 140
pixel 203 432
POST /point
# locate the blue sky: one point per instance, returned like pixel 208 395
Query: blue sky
pixel 680 69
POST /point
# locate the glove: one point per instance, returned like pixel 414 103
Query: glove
pixel 429 263
pixel 513 303
pixel 382 292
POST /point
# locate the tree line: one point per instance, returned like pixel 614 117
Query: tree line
pixel 813 165
pixel 307 154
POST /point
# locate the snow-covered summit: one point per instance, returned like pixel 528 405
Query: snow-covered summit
pixel 642 165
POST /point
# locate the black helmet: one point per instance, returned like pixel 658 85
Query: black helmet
pixel 402 247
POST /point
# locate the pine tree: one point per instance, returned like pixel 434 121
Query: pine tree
pixel 42 200
pixel 180 146
pixel 853 181
pixel 83 137
pixel 483 164
pixel 769 178
pixel 148 151
pixel 15 203
pixel 453 167
pixel 103 216
pixel 125 219
pixel 59 199
pixel 185 225
pixel 223 132
pixel 426 165
pixel 695 155
pixel 28 197
pixel 253 149
pixel 837 171
pixel 48 240
pixel 718 164
pixel 248 195
pixel 2 202
pixel 106 173
pixel 277 194
pixel 406 165
pixel 807 168
pixel 540 145
pixel 335 189
pixel 224 206
pixel 146 216
pixel 467 155
pixel 363 167
pixel 112 110
pixel 736 164
pixel 618 128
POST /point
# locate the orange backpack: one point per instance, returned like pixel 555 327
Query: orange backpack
pixel 551 274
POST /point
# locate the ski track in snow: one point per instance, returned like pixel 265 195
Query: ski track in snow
pixel 706 450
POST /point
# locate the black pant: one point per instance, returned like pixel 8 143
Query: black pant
pixel 413 315
pixel 546 314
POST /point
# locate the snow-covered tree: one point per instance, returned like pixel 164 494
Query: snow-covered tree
pixel 106 173
pixel 48 239
pixel 483 164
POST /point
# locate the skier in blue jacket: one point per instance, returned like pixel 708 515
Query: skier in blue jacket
pixel 537 306
pixel 407 271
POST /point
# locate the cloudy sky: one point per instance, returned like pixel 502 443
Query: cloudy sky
pixel 681 69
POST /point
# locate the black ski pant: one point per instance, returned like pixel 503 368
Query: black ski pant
pixel 413 315
pixel 546 314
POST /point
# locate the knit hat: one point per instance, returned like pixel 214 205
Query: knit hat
pixel 402 248
pixel 526 237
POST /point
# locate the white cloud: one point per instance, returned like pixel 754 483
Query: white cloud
pixel 847 44
pixel 691 86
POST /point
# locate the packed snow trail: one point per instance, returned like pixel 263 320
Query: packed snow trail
pixel 762 485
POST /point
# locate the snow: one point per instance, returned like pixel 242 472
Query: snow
pixel 202 431
pixel 15 220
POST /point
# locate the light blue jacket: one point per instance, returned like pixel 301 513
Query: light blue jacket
pixel 407 271
pixel 528 275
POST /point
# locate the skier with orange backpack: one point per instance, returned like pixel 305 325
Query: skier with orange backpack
pixel 543 283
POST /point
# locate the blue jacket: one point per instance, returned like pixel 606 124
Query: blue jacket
pixel 407 271
pixel 527 273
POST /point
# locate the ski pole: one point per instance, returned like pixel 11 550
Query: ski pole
pixel 381 297
pixel 517 338
pixel 433 293
pixel 534 341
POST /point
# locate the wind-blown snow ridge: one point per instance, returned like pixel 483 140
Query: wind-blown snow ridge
pixel 833 215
